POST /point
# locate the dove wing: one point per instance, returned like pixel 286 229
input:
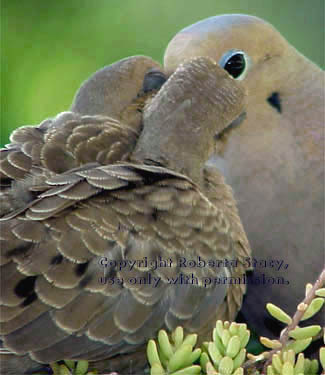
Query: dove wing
pixel 52 302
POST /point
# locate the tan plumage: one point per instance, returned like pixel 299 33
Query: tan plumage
pixel 129 209
pixel 274 160
pixel 102 126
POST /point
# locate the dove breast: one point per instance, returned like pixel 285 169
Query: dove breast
pixel 274 159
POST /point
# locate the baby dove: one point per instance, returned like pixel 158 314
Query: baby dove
pixel 107 253
pixel 274 159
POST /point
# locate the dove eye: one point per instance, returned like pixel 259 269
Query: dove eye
pixel 153 80
pixel 235 63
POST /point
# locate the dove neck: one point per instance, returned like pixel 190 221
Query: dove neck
pixel 181 152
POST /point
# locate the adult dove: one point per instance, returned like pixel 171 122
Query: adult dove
pixel 106 111
pixel 67 290
pixel 274 159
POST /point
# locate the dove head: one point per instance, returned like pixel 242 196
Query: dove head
pixel 285 96
pixel 118 89
pixel 249 48
pixel 180 126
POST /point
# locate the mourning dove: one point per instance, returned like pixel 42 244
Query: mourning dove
pixel 274 159
pixel 102 126
pixel 36 152
pixel 68 288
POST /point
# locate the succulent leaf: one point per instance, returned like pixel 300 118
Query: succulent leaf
pixel 320 292
pixel 322 357
pixel 152 353
pixel 299 345
pixel 164 344
pixel 304 333
pixel 313 308
pixel 278 313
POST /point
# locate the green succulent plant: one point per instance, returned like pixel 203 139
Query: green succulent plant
pixel 226 353
pixel 295 339
pixel 285 363
pixel 175 355
pixel 71 368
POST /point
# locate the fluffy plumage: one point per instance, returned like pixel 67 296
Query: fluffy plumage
pixel 153 200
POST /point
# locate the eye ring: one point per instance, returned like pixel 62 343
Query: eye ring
pixel 236 63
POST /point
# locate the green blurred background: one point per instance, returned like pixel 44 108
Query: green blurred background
pixel 50 47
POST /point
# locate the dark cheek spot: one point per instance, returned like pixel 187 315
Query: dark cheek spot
pixel 275 101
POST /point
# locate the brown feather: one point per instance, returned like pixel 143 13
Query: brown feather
pixel 75 239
